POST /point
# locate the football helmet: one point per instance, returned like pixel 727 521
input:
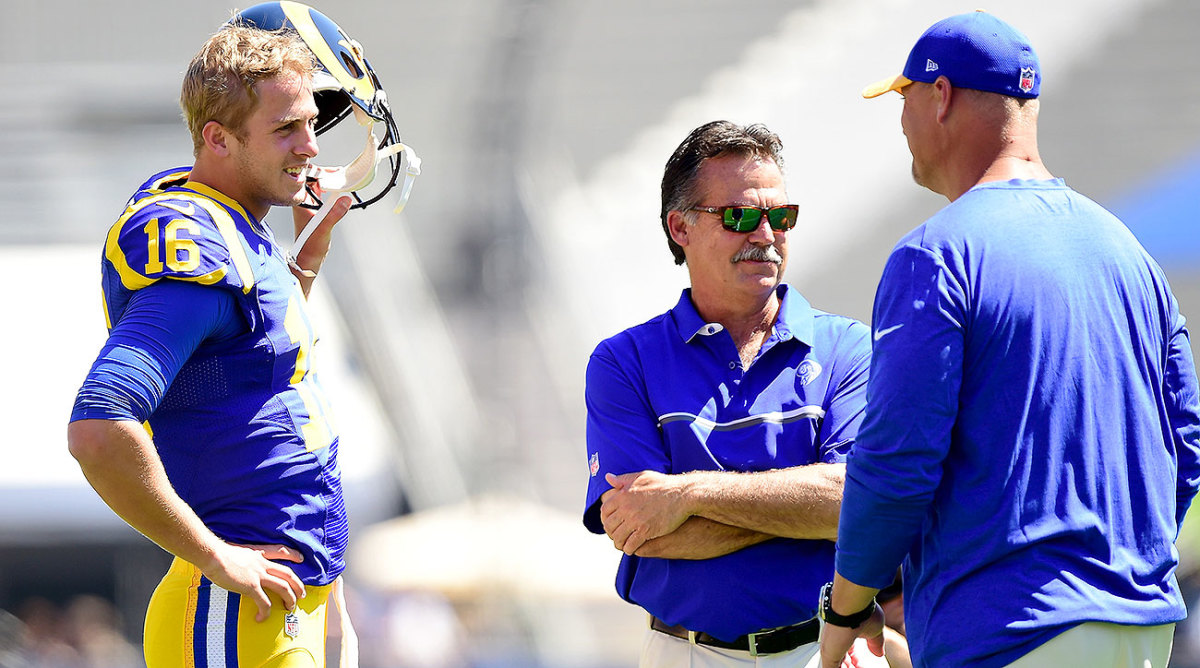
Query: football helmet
pixel 345 85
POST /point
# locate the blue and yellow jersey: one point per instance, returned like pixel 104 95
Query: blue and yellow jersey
pixel 243 429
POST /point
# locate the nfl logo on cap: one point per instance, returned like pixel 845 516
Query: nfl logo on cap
pixel 1027 79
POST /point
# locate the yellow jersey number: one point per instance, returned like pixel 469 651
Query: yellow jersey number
pixel 318 431
pixel 181 253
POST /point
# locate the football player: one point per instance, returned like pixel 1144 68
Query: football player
pixel 344 86
pixel 201 423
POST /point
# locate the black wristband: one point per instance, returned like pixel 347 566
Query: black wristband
pixel 852 621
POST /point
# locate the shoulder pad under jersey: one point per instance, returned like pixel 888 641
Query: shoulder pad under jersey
pixel 179 234
pixel 160 182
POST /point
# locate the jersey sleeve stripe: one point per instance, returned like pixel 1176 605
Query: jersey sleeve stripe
pixel 130 278
pixel 104 305
pixel 233 241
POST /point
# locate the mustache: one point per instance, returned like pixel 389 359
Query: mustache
pixel 758 254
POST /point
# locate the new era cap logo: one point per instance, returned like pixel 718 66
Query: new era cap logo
pixel 930 66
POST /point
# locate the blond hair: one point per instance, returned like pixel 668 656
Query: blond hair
pixel 220 81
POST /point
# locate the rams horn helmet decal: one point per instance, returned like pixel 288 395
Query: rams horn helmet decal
pixel 345 84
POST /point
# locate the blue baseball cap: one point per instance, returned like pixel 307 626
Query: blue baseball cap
pixel 975 50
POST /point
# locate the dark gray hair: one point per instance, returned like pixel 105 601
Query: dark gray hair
pixel 709 141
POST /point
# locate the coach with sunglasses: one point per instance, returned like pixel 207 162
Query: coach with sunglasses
pixel 717 431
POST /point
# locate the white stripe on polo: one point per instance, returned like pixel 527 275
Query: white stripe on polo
pixel 774 417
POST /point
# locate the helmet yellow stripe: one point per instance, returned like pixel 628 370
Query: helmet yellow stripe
pixel 361 87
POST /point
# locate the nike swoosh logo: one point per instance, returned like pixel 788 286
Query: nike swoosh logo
pixel 886 330
pixel 189 210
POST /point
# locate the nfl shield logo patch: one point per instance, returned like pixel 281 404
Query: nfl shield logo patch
pixel 594 464
pixel 291 624
pixel 1027 76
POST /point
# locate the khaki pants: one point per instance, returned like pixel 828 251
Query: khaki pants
pixel 660 650
pixel 1101 645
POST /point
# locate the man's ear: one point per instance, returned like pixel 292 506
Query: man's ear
pixel 216 138
pixel 679 227
pixel 943 91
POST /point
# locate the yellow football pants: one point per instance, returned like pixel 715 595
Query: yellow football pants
pixel 193 623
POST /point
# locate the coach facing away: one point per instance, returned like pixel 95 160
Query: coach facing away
pixel 1033 423
pixel 717 431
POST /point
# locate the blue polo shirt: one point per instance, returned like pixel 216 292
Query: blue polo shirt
pixel 670 395
pixel 1032 428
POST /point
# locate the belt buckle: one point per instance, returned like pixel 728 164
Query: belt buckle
pixel 752 643
pixel 692 637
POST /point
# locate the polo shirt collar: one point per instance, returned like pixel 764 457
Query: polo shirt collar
pixel 795 318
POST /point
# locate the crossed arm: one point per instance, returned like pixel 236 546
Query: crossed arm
pixel 706 514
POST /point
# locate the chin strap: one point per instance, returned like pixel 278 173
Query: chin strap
pixel 411 165
pixel 301 238
pixel 359 174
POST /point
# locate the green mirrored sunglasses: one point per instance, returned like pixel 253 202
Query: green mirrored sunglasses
pixel 746 219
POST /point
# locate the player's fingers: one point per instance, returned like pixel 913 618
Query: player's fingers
pixel 262 602
pixel 283 590
pixel 337 211
pixel 289 578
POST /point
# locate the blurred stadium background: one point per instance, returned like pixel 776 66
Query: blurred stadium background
pixel 455 336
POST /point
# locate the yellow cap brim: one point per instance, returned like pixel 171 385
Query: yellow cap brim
pixel 880 87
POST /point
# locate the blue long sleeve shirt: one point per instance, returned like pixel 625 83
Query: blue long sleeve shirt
pixel 1032 433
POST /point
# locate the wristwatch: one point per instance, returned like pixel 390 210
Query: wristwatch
pixel 826 613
